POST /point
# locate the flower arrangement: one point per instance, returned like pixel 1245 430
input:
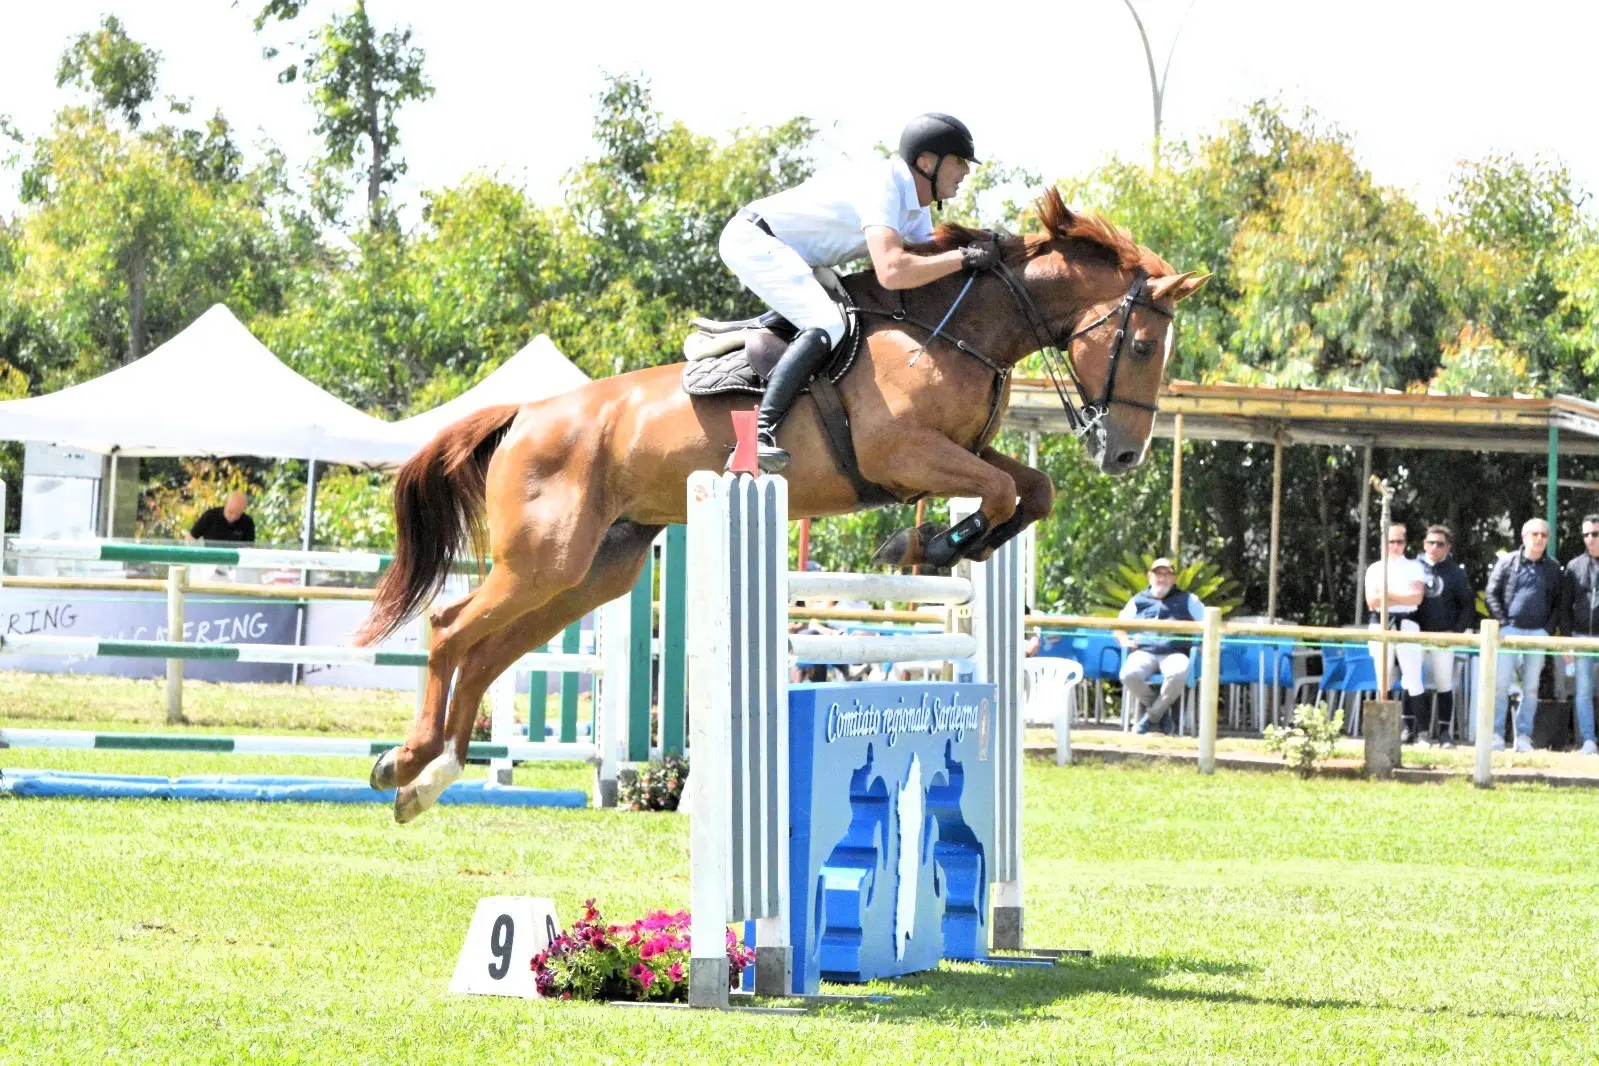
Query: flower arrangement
pixel 482 727
pixel 643 960
pixel 657 786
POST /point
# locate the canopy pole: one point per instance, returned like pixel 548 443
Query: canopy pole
pixel 1365 530
pixel 307 537
pixel 1276 523
pixel 1176 489
pixel 1551 508
pixel 308 525
pixel 111 495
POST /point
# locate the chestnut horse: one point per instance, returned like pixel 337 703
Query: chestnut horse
pixel 570 491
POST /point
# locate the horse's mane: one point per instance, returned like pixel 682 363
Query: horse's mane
pixel 1089 235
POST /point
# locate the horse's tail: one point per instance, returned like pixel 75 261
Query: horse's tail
pixel 438 513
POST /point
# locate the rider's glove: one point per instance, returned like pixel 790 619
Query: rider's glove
pixel 980 255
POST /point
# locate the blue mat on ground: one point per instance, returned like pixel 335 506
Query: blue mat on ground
pixel 265 788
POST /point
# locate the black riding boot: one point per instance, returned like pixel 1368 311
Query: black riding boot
pixel 805 355
pixel 1420 708
pixel 1445 721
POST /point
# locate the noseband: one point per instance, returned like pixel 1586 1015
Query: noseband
pixel 1058 355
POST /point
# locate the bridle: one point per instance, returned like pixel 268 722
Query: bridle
pixel 1058 356
pixel 1057 353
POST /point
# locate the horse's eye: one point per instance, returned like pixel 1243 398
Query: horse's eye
pixel 1143 349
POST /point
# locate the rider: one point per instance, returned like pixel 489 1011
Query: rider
pixel 832 218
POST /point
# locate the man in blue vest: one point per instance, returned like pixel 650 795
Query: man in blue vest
pixel 1162 653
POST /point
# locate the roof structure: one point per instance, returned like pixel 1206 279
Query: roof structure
pixel 1330 416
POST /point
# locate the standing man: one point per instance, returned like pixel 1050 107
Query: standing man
pixel 1448 606
pixel 1407 583
pixel 1162 653
pixel 1524 594
pixel 1582 620
pixel 872 210
pixel 225 523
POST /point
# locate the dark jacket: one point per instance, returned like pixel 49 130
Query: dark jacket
pixel 1502 584
pixel 1581 598
pixel 1449 605
pixel 1175 605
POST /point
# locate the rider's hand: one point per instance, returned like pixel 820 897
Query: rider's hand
pixel 980 255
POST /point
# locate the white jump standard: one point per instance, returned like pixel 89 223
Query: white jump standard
pixel 738 661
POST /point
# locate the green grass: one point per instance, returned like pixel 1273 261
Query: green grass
pixel 1237 918
pixel 115 704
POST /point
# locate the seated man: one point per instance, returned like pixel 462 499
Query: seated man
pixel 1162 653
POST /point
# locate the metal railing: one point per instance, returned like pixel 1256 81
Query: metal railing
pixel 1486 642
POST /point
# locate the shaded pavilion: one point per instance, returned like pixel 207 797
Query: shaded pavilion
pixel 1364 420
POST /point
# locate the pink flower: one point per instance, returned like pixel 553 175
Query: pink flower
pixel 643 975
pixel 675 972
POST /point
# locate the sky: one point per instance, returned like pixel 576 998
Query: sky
pixel 1055 87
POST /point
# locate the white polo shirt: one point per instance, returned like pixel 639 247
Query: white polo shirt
pixel 1402 573
pixel 825 217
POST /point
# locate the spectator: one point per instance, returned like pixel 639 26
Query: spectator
pixel 1524 593
pixel 1163 653
pixel 1581 603
pixel 1448 606
pixel 1407 582
pixel 225 523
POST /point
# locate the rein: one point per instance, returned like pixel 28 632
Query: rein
pixel 1057 354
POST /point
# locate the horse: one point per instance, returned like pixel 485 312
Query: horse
pixel 566 494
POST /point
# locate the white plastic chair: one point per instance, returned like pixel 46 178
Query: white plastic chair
pixel 1049 697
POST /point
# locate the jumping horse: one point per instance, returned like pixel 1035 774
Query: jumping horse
pixel 567 494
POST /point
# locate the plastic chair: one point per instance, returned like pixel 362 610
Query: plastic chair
pixel 1049 697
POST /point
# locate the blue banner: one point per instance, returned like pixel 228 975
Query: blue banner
pixel 892 821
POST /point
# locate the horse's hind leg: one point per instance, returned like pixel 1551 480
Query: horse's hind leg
pixel 616 567
pixel 425 738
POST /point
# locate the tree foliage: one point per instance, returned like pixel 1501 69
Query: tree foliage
pixel 137 216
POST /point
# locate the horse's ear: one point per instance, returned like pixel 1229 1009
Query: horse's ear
pixel 1052 211
pixel 1176 287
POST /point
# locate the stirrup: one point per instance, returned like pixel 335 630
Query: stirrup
pixel 771 459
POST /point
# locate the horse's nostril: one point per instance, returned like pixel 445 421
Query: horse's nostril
pixel 1126 458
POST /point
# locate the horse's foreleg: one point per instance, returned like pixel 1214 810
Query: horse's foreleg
pixel 927 462
pixel 1035 499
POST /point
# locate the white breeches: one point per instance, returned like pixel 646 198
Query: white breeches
pixel 1441 668
pixel 776 273
pixel 1409 657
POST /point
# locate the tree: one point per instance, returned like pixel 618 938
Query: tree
pixel 359 80
pixel 645 216
pixel 118 72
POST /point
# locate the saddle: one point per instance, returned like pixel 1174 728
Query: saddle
pixel 738 357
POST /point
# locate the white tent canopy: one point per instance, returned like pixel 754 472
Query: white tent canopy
pixel 211 390
pixel 537 371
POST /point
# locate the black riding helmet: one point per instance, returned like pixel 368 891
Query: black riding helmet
pixel 940 134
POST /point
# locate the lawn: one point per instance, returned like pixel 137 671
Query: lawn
pixel 1242 917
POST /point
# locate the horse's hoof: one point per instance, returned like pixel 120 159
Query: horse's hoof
pixel 407 805
pixel 384 771
pixel 905 547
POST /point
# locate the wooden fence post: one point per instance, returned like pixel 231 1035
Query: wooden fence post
pixel 176 576
pixel 1209 689
pixel 1487 681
